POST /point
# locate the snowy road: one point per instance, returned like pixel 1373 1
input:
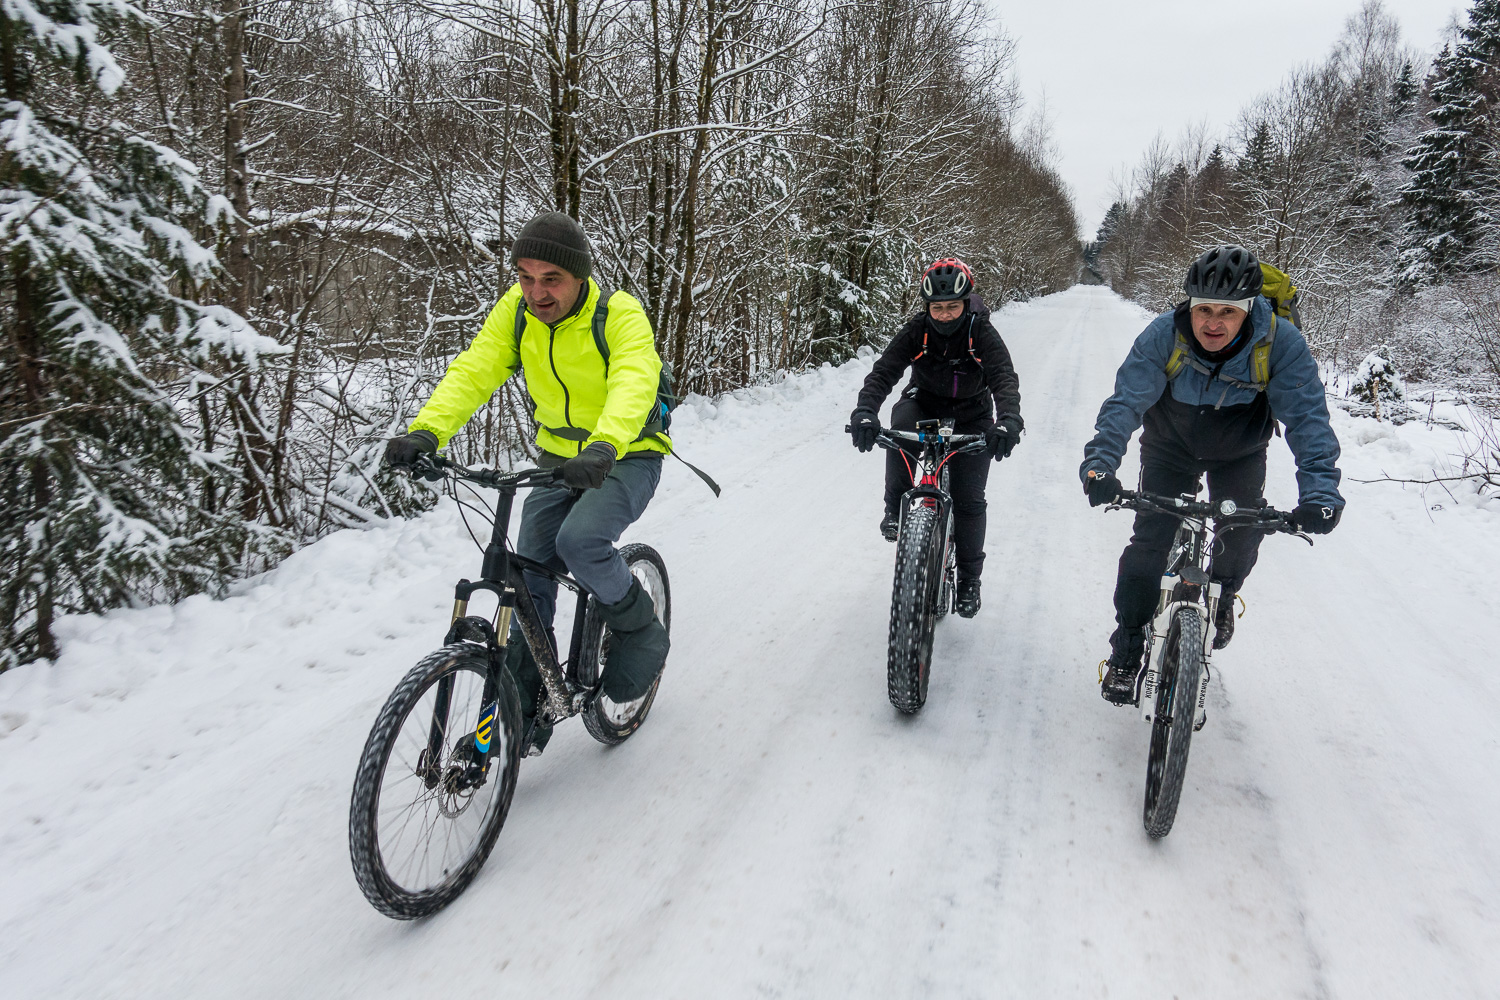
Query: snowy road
pixel 174 792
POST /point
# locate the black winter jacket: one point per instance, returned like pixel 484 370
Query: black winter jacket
pixel 965 364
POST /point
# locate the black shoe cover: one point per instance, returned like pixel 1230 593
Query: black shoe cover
pixel 638 645
pixel 1224 621
pixel 890 525
pixel 1125 661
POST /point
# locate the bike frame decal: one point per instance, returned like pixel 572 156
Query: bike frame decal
pixel 486 727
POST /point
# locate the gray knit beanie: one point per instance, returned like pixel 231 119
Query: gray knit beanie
pixel 555 238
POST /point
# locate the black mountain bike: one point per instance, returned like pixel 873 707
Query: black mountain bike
pixel 1172 691
pixel 924 586
pixel 437 773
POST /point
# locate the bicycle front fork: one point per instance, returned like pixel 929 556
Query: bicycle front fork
pixel 1166 607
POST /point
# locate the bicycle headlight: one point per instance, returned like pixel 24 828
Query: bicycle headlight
pixel 1228 507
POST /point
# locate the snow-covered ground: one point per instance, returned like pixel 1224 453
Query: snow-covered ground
pixel 174 791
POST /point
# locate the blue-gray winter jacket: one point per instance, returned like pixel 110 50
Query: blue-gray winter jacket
pixel 1294 392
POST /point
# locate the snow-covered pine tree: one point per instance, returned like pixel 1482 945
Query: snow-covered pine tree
pixel 1442 196
pixel 105 348
pixel 1377 382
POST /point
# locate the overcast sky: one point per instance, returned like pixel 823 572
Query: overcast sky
pixel 1115 73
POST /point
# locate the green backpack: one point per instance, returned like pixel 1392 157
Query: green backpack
pixel 1279 291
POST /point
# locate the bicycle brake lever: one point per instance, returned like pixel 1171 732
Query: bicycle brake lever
pixel 426 467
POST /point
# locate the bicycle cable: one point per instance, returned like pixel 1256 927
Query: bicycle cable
pixel 464 504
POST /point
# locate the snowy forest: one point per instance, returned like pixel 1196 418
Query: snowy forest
pixel 1373 179
pixel 242 240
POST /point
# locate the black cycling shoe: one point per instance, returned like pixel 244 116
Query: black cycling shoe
pixel 890 525
pixel 1224 621
pixel 966 603
pixel 1121 681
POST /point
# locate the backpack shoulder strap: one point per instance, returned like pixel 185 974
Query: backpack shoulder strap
pixel 1178 359
pixel 601 317
pixel 1260 359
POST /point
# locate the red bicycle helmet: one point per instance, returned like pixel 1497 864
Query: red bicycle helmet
pixel 947 280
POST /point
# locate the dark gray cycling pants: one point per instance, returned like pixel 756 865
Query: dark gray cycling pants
pixel 576 533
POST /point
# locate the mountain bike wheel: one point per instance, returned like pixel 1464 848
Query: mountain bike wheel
pixel 428 802
pixel 1172 726
pixel 607 721
pixel 914 599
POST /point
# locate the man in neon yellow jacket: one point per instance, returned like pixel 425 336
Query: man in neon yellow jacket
pixel 597 418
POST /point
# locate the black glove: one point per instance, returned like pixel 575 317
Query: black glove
pixel 1316 518
pixel 402 452
pixel 1102 488
pixel 1002 437
pixel 587 469
pixel 863 426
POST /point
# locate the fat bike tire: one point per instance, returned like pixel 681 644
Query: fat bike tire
pixel 914 599
pixel 412 858
pixel 1172 726
pixel 611 722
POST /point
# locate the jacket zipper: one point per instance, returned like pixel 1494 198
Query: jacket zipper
pixel 567 396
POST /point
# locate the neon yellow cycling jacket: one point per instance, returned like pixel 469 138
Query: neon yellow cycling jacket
pixel 565 376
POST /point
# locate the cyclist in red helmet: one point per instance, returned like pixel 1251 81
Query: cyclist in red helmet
pixel 960 369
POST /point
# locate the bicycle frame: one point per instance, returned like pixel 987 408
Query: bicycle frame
pixel 1187 581
pixel 502 574
pixel 1188 563
pixel 930 475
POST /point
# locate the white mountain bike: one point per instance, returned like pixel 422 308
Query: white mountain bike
pixel 1173 689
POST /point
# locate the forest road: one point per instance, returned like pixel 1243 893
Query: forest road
pixel 777 829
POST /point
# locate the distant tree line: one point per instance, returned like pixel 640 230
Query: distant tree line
pixel 241 240
pixel 1373 179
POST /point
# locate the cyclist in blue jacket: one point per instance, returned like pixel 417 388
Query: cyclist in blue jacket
pixel 1209 380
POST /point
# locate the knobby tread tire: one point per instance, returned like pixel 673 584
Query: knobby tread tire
pixel 1172 727
pixel 913 611
pixel 364 850
pixel 595 719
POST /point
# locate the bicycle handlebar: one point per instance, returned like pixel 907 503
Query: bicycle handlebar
pixel 887 437
pixel 1268 519
pixel 435 467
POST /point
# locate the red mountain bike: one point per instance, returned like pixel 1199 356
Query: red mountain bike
pixel 925 571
